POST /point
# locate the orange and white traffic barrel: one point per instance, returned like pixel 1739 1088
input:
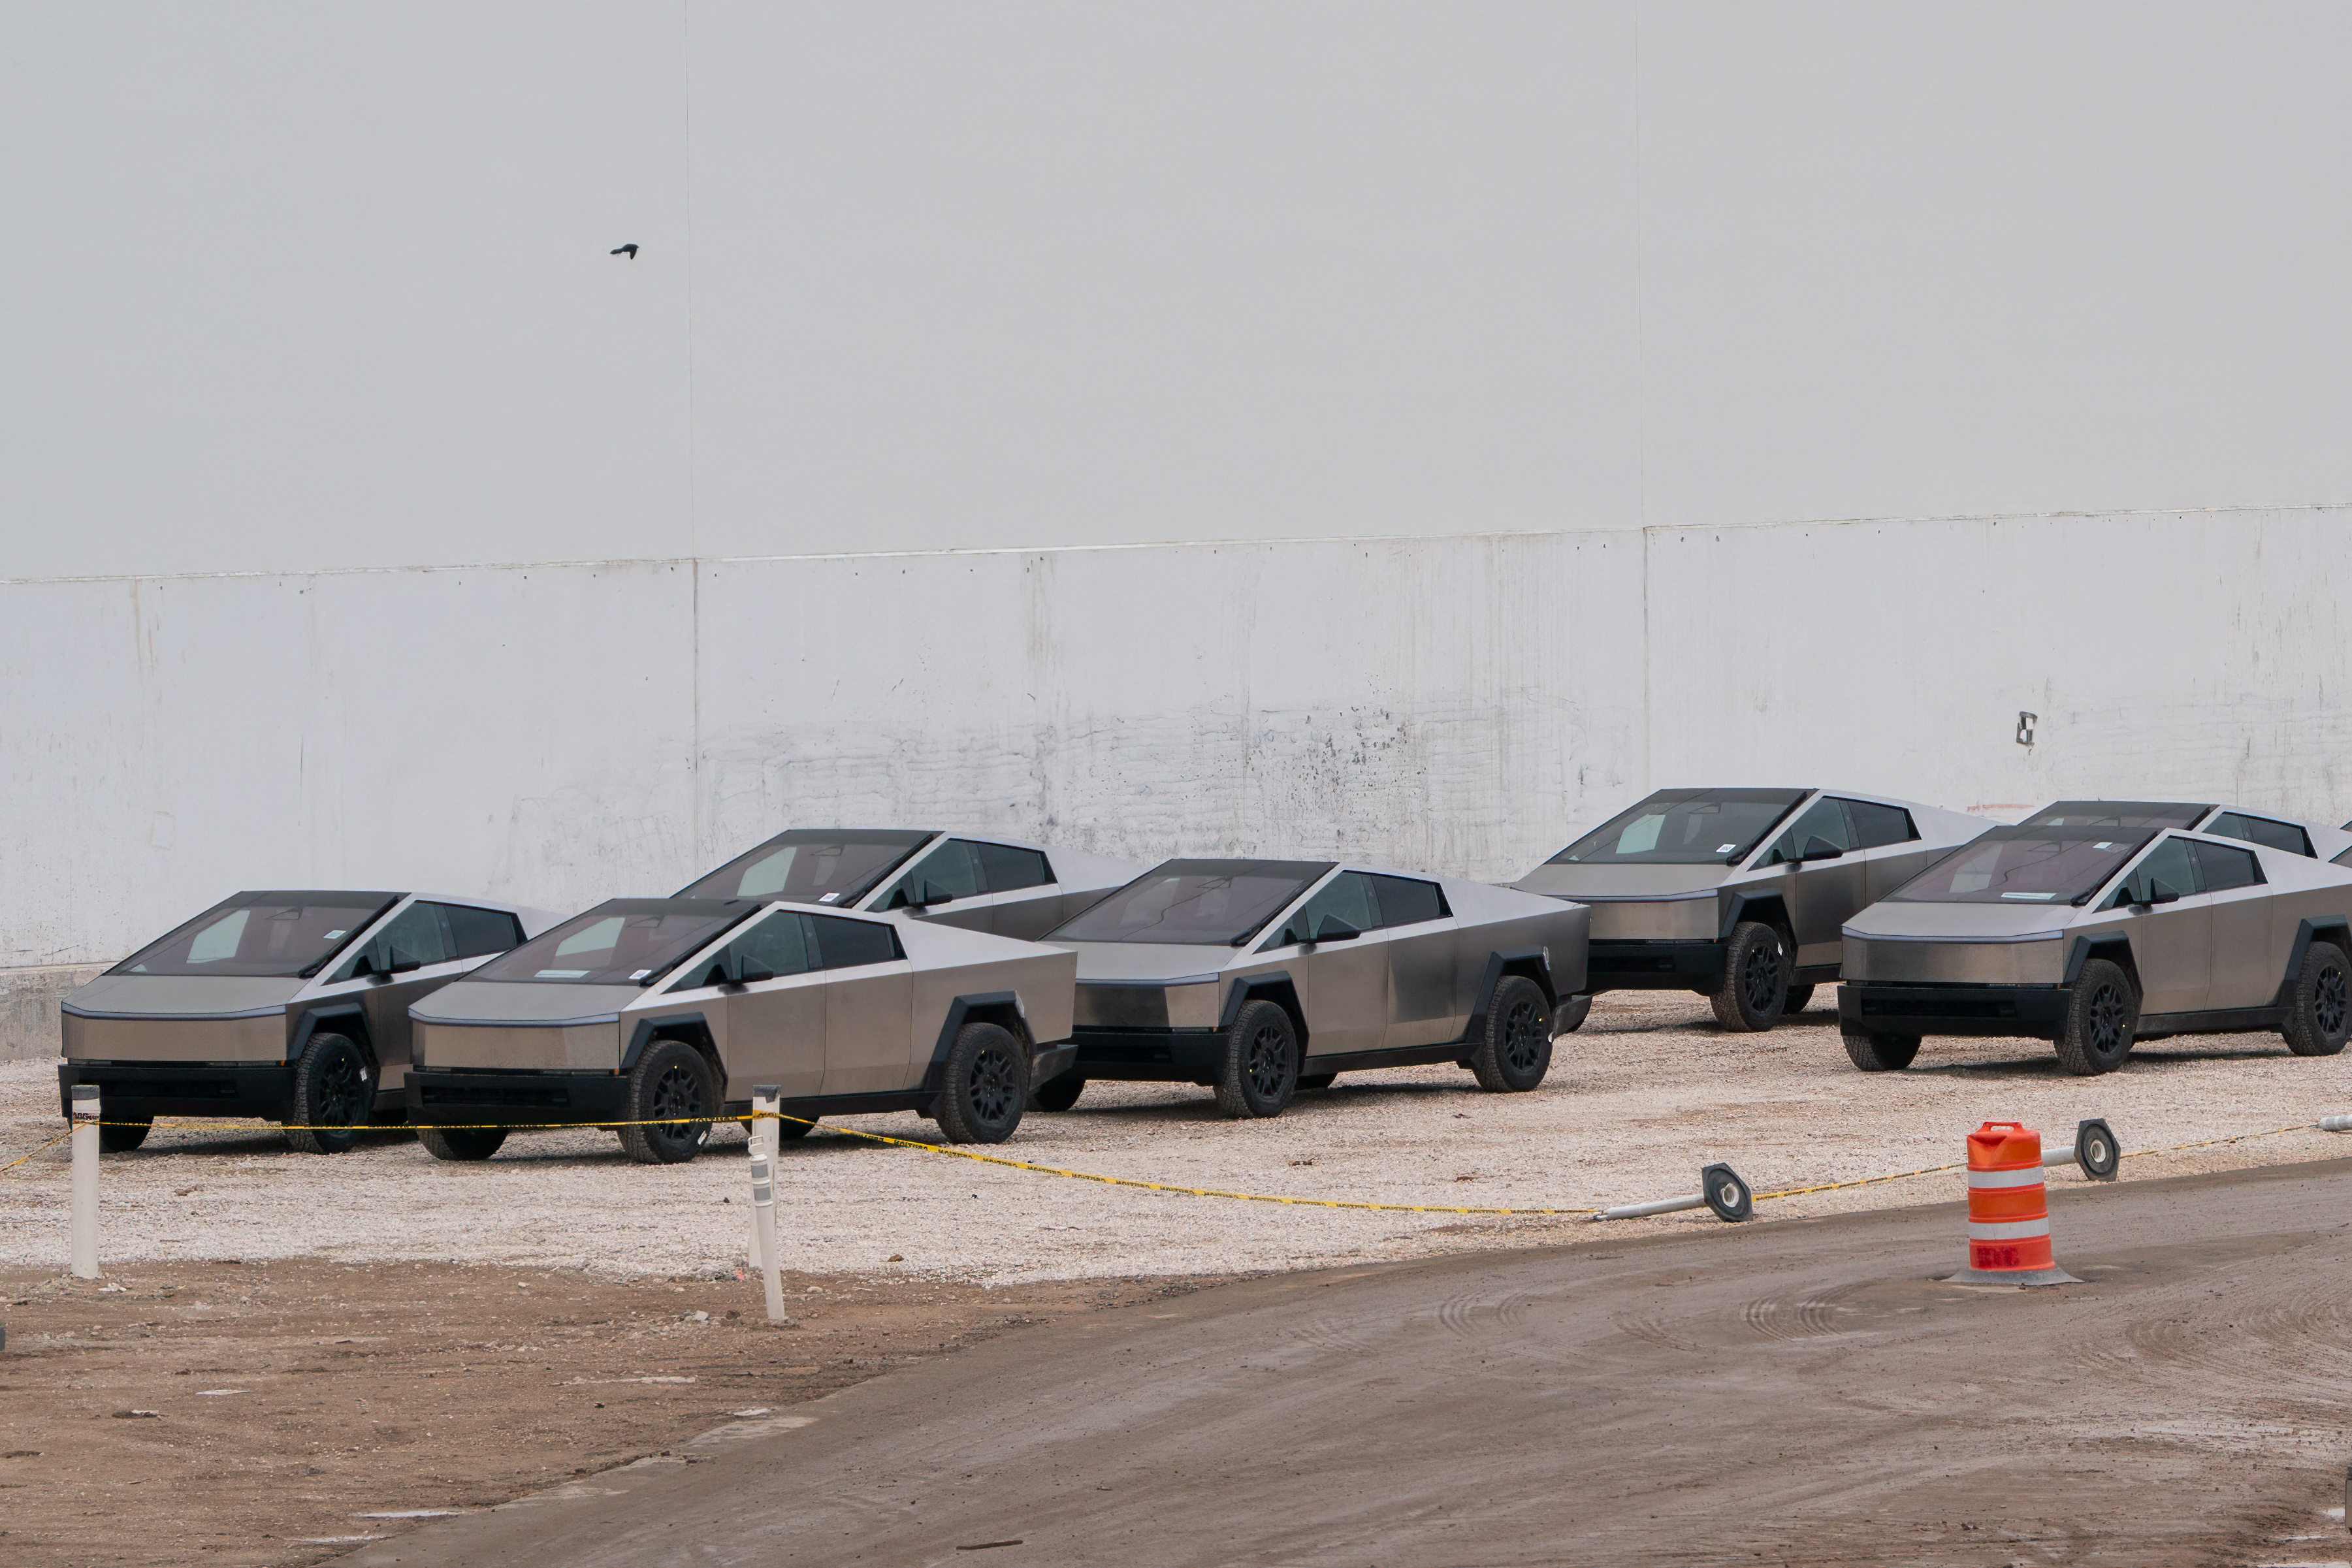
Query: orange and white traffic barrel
pixel 2008 1211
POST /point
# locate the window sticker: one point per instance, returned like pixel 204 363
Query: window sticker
pixel 332 935
pixel 2035 897
pixel 634 975
pixel 830 898
pixel 563 974
pixel 2106 846
pixel 1725 849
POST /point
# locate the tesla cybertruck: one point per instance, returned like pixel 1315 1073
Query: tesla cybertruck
pixel 981 885
pixel 658 1016
pixel 288 1005
pixel 1259 977
pixel 2093 924
pixel 1739 895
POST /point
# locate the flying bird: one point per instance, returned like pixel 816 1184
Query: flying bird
pixel 629 250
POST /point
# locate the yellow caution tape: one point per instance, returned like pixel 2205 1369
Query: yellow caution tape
pixel 52 1144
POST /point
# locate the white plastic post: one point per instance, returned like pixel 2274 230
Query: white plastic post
pixel 85 1181
pixel 764 1143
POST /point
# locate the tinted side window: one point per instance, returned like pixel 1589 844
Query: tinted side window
pixel 777 945
pixel 1004 869
pixel 478 933
pixel 1824 819
pixel 1874 825
pixel 415 935
pixel 845 944
pixel 1405 900
pixel 2169 863
pixel 2263 831
pixel 1347 897
pixel 2224 869
pixel 952 868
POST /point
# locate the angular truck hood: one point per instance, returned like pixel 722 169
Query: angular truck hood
pixel 1149 961
pixel 1588 882
pixel 1964 922
pixel 184 996
pixel 523 1001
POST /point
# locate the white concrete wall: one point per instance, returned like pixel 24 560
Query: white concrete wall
pixel 556 736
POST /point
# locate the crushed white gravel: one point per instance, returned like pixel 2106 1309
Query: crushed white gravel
pixel 1648 1091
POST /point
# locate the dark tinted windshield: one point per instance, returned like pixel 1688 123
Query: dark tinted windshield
pixel 811 865
pixel 1684 826
pixel 2024 865
pixel 2115 814
pixel 1197 903
pixel 627 941
pixel 277 934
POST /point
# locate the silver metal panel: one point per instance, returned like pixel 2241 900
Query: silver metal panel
pixel 1425 1004
pixel 1042 981
pixel 183 996
pixel 868 1048
pixel 1030 913
pixel 2248 959
pixel 1656 920
pixel 776 1034
pixel 1343 988
pixel 1583 882
pixel 1891 867
pixel 1822 897
pixel 511 1001
pixel 261 1038
pixel 2038 963
pixel 2172 944
pixel 590 1047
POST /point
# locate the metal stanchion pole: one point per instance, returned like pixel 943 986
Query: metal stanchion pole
pixel 764 1143
pixel 85 1181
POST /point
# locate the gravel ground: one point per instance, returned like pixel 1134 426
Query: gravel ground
pixel 1648 1091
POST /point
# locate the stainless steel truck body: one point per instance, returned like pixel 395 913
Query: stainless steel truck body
pixel 286 1004
pixel 979 885
pixel 2095 924
pixel 1255 978
pixel 1739 894
pixel 642 1009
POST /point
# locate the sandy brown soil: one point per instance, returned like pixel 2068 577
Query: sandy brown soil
pixel 290 1400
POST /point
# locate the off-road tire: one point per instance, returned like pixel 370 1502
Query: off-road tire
pixel 1057 1094
pixel 333 1092
pixel 670 1080
pixel 987 1085
pixel 461 1143
pixel 2101 1016
pixel 1514 1050
pixel 1261 1067
pixel 1875 1052
pixel 126 1134
pixel 1755 987
pixel 2319 1016
pixel 1800 999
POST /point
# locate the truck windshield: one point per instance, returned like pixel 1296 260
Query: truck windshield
pixel 286 935
pixel 2025 865
pixel 1195 903
pixel 1685 827
pixel 625 942
pixel 810 865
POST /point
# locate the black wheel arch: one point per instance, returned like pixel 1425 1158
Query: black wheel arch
pixel 1765 908
pixel 1001 1008
pixel 1275 986
pixel 346 1019
pixel 686 1029
pixel 2333 928
pixel 1527 964
pixel 2116 948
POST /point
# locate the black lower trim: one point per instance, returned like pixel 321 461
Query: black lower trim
pixel 1407 1056
pixel 2029 1012
pixel 441 1098
pixel 2222 1020
pixel 1621 966
pixel 1151 1056
pixel 1051 1061
pixel 129 1089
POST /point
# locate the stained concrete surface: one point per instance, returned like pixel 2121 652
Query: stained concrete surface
pixel 1793 1392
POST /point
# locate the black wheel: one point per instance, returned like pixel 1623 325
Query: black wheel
pixel 2101 1017
pixel 987 1085
pixel 1800 997
pixel 1514 1050
pixel 1261 1063
pixel 1878 1052
pixel 127 1135
pixel 461 1142
pixel 1754 988
pixel 672 1096
pixel 333 1092
pixel 1057 1094
pixel 1317 1080
pixel 2320 1015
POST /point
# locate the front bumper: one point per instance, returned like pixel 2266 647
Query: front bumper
pixel 444 1098
pixel 1049 1061
pixel 1644 966
pixel 2024 1012
pixel 1161 1056
pixel 128 1091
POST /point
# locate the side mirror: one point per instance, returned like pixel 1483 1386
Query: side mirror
pixel 399 963
pixel 716 975
pixel 1331 928
pixel 932 893
pixel 2158 893
pixel 752 974
pixel 1819 849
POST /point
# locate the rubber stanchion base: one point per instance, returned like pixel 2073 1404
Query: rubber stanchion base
pixel 2024 1277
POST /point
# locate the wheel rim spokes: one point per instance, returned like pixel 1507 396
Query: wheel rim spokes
pixel 2107 1020
pixel 677 1101
pixel 339 1098
pixel 1522 1043
pixel 1268 1061
pixel 1762 975
pixel 2332 1002
pixel 992 1086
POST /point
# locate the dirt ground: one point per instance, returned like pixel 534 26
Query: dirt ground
pixel 279 1412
